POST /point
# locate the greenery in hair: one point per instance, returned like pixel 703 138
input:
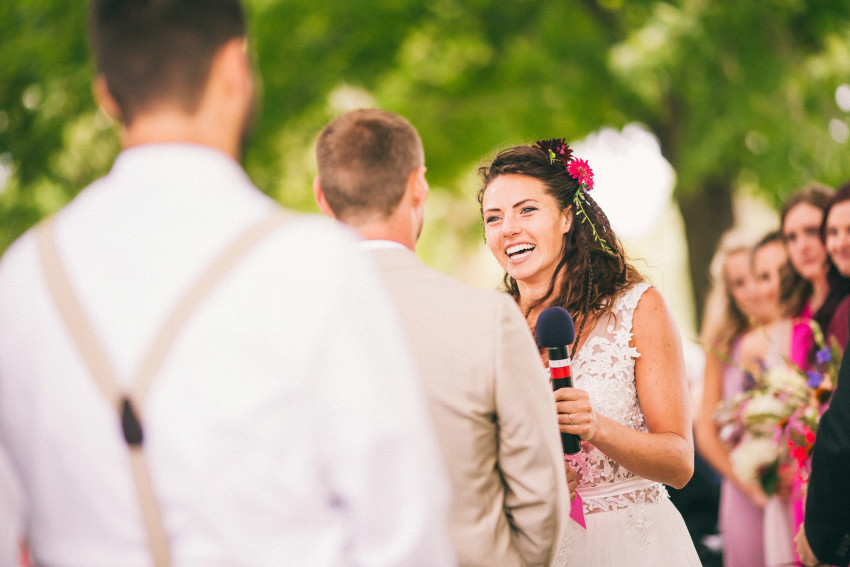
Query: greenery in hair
pixel 557 149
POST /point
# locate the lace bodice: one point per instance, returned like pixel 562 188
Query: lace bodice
pixel 604 367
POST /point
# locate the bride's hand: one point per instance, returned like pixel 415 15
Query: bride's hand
pixel 575 414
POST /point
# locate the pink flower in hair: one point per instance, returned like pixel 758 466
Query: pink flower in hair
pixel 581 172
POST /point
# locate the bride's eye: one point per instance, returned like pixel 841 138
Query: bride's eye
pixel 491 219
pixel 528 209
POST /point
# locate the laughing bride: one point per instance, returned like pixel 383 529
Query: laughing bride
pixel 630 403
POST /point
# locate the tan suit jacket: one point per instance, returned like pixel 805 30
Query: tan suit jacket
pixel 494 413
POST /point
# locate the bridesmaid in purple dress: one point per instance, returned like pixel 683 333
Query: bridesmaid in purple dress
pixel 735 303
pixel 765 347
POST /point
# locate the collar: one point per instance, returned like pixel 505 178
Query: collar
pixel 377 244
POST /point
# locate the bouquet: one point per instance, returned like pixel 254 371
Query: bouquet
pixel 771 426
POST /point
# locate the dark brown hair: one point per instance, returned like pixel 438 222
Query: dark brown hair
pixel 815 194
pixel 593 276
pixel 843 194
pixel 150 51
pixel 365 158
pixel 839 285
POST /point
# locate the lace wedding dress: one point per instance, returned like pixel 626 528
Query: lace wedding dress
pixel 630 520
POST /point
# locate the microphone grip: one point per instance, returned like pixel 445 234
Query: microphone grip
pixel 570 442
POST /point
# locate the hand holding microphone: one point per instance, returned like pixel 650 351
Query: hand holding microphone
pixel 556 332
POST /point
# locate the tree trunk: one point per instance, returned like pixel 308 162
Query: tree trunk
pixel 707 214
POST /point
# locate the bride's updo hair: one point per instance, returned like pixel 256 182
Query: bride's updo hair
pixel 595 272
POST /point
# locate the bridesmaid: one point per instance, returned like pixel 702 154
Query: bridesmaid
pixel 736 303
pixel 769 343
pixel 802 219
pixel 763 348
pixel 835 233
pixel 804 229
pixel 822 497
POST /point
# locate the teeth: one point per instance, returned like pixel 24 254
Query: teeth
pixel 518 249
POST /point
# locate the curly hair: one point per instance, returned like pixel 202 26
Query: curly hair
pixel 594 276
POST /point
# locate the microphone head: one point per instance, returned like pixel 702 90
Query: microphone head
pixel 555 328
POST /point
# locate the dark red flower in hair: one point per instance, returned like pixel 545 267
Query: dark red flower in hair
pixel 556 148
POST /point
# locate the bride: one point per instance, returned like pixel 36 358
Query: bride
pixel 630 403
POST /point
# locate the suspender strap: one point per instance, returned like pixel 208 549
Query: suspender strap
pixel 128 404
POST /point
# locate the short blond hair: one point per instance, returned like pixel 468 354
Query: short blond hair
pixel 365 158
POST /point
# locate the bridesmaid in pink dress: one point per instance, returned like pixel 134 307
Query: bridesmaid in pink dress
pixel 769 346
pixel 731 304
pixel 746 325
pixel 802 228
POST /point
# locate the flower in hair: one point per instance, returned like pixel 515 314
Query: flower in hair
pixel 581 172
pixel 557 149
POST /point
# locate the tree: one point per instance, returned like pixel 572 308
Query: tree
pixel 740 95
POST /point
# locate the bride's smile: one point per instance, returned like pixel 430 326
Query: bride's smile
pixel 519 252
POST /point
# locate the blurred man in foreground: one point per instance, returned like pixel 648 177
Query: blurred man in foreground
pixel 188 376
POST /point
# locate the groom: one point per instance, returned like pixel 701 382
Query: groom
pixel 482 374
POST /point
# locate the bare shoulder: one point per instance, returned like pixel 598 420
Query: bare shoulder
pixel 652 315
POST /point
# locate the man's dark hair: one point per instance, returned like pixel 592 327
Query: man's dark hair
pixel 365 158
pixel 150 51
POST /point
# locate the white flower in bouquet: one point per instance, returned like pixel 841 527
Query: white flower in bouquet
pixel 765 408
pixel 753 455
pixel 727 432
pixel 786 379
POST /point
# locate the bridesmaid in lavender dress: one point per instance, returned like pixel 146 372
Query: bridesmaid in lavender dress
pixel 727 317
pixel 770 346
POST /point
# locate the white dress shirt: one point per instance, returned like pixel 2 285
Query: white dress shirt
pixel 286 426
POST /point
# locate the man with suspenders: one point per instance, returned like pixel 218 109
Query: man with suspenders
pixel 189 376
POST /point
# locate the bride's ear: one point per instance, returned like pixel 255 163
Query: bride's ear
pixel 566 219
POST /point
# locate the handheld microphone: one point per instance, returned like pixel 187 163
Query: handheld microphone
pixel 556 332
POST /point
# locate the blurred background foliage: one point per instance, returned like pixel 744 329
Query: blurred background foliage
pixel 741 95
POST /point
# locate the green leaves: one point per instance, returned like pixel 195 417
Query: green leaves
pixel 734 91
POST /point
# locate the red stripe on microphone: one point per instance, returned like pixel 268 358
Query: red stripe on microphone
pixel 562 372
